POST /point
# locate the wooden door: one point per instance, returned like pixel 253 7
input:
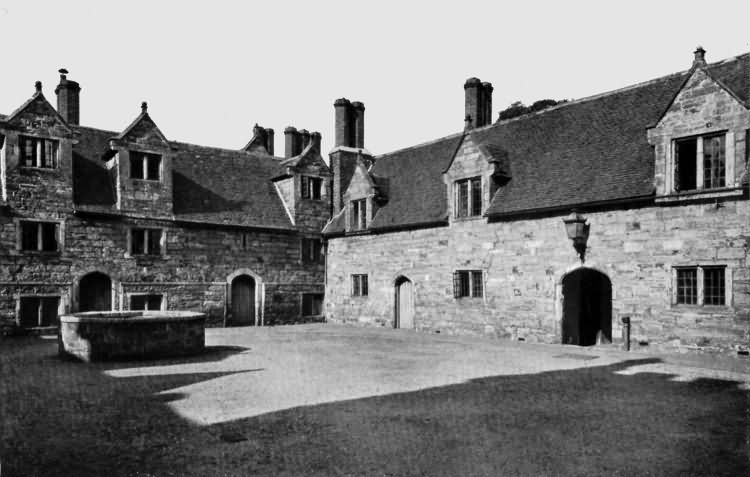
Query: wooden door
pixel 243 301
pixel 95 293
pixel 404 304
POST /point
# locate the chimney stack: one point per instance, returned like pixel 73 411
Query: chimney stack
pixel 315 138
pixel 350 123
pixel 304 140
pixel 269 141
pixel 700 57
pixel 291 137
pixel 477 103
pixel 68 98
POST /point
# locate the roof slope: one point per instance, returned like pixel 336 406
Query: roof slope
pixel 590 150
pixel 211 185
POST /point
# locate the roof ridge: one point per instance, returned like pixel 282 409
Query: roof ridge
pixel 427 143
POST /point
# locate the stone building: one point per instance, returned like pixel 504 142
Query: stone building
pixel 466 234
pixel 106 220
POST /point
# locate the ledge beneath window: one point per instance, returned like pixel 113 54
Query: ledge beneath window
pixel 704 309
pixel 470 218
pixel 701 195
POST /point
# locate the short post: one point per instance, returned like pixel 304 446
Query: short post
pixel 626 332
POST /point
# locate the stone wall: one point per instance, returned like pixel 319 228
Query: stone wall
pixel 524 262
pixel 192 274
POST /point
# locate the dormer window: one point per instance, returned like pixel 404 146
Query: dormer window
pixel 38 152
pixel 312 187
pixel 700 162
pixel 468 197
pixel 145 166
pixel 359 214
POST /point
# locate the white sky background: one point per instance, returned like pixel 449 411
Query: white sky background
pixel 210 70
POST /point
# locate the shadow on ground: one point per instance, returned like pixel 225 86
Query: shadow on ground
pixel 66 419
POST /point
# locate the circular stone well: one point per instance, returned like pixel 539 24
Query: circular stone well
pixel 110 335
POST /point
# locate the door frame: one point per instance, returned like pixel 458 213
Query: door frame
pixel 396 315
pixel 559 299
pixel 259 299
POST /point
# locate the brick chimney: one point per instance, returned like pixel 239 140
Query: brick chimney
pixel 315 138
pixel 699 57
pixel 67 98
pixel 477 103
pixel 293 140
pixel 269 141
pixel 304 140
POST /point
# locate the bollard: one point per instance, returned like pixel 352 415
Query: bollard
pixel 626 332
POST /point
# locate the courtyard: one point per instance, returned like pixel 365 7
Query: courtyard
pixel 332 400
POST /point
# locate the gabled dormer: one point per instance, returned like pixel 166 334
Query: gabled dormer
pixel 141 160
pixel 305 184
pixel 475 173
pixel 700 141
pixel 362 198
pixel 36 146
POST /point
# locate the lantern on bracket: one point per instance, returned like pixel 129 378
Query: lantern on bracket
pixel 577 228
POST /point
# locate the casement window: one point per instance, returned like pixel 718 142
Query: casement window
pixel 359 214
pixel 312 187
pixel 145 166
pixel 34 311
pixel 700 162
pixel 468 283
pixel 312 250
pixel 359 285
pixel 312 304
pixel 145 241
pixel 39 236
pixel 38 152
pixel 704 285
pixel 468 197
pixel 151 301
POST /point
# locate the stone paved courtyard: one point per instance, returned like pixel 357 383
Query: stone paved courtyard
pixel 343 401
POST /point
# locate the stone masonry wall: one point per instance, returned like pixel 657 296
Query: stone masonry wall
pixel 524 262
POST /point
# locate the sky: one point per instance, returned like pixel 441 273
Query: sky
pixel 211 70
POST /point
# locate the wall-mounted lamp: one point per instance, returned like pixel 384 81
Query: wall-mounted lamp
pixel 578 231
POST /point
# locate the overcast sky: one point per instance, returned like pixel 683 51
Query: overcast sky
pixel 212 69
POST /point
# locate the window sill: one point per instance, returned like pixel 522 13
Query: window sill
pixel 696 195
pixel 42 253
pixel 469 218
pixel 459 298
pixel 40 169
pixel 145 181
pixel 359 297
pixel 703 309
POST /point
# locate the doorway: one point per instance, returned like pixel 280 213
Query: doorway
pixel 404 303
pixel 587 308
pixel 243 301
pixel 95 292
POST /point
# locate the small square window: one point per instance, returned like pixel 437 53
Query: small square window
pixel 35 311
pixel 38 152
pixel 145 241
pixel 145 166
pixel 704 286
pixel 700 162
pixel 311 187
pixel 312 304
pixel 468 283
pixel 39 236
pixel 312 250
pixel 359 285
pixel 146 302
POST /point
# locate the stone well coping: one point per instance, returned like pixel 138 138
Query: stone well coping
pixel 130 316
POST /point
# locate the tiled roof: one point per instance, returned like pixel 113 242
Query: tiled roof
pixel 211 185
pixel 591 150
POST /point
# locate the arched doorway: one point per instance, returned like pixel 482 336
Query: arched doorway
pixel 404 303
pixel 95 292
pixel 243 301
pixel 587 308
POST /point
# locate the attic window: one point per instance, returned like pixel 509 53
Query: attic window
pixel 700 162
pixel 359 214
pixel 468 197
pixel 311 187
pixel 38 152
pixel 146 241
pixel 145 166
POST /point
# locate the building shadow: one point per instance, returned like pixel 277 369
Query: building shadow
pixel 68 419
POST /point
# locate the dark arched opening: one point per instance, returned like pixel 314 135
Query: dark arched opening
pixel 95 292
pixel 243 301
pixel 587 308
pixel 404 305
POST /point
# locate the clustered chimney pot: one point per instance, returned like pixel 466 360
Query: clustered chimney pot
pixel 477 103
pixel 350 123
